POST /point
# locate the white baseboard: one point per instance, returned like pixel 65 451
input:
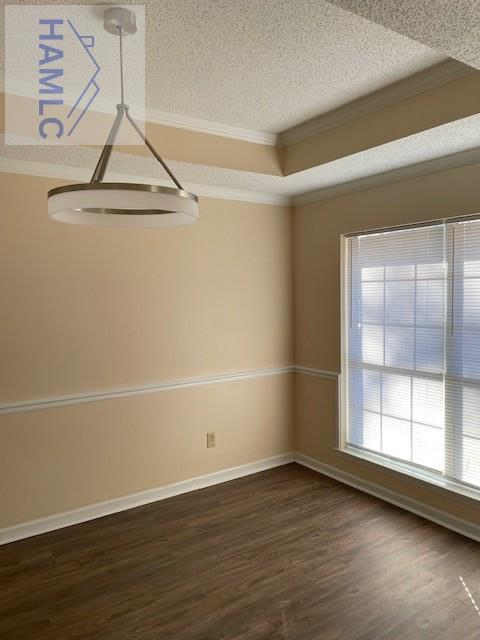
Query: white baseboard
pixel 100 509
pixel 458 525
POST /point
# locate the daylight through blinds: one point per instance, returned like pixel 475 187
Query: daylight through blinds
pixel 412 328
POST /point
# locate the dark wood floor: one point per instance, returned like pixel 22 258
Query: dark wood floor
pixel 283 554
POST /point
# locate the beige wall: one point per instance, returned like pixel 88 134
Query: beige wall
pixel 86 309
pixel 317 229
pixel 53 460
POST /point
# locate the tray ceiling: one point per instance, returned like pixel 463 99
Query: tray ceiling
pixel 440 142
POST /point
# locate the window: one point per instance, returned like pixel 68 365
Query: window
pixel 411 344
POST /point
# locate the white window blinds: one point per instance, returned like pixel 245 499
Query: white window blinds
pixel 412 346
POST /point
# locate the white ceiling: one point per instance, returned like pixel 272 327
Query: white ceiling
pixel 267 65
pixel 449 26
pixel 445 140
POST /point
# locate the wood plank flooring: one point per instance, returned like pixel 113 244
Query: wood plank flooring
pixel 284 554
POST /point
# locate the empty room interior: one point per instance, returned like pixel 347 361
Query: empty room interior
pixel 240 320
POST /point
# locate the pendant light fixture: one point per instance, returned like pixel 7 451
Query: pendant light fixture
pixel 111 204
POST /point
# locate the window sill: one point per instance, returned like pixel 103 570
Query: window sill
pixel 422 476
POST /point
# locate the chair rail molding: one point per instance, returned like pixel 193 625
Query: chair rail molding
pixel 137 390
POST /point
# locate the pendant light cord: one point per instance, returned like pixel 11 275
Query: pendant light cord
pixel 122 94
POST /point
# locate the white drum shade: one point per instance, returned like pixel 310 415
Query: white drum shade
pixel 104 204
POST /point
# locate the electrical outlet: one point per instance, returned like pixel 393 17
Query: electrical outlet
pixel 210 439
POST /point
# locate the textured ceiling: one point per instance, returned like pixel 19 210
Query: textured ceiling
pixel 267 65
pixel 441 141
pixel 450 26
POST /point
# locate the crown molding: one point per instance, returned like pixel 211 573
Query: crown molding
pixel 198 125
pixel 452 161
pixel 168 119
pixel 78 174
pixel 418 83
pixel 413 85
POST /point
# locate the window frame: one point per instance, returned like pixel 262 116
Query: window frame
pixel 413 472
